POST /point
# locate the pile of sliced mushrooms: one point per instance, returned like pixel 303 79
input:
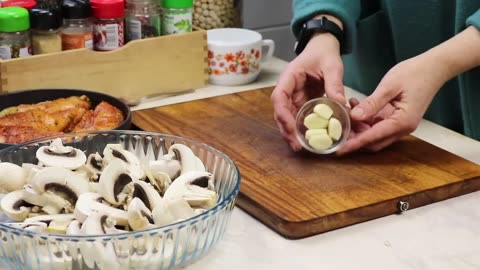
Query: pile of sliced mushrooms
pixel 108 193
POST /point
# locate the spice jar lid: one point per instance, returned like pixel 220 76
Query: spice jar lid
pixel 28 4
pixel 45 19
pixel 108 9
pixel 76 9
pixel 177 3
pixel 14 19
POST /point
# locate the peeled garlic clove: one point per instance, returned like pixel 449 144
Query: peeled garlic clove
pixel 334 128
pixel 323 110
pixel 320 142
pixel 314 121
pixel 309 133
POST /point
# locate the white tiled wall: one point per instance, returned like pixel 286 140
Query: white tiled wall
pixel 272 19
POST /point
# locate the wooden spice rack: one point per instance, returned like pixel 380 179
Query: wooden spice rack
pixel 166 64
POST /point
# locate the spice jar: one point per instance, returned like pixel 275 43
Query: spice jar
pixel 108 29
pixel 143 19
pixel 27 4
pixel 14 33
pixel 77 30
pixel 176 16
pixel 209 14
pixel 46 29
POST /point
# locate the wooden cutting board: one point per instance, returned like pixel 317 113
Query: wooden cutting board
pixel 300 194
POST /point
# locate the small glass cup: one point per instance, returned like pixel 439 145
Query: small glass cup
pixel 339 111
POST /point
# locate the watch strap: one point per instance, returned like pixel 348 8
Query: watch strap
pixel 322 25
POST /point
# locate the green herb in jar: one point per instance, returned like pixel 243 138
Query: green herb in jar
pixel 14 33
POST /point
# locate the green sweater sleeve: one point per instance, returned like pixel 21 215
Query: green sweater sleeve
pixel 474 20
pixel 348 11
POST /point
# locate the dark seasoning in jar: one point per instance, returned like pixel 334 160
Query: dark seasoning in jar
pixel 14 33
pixel 108 24
pixel 143 19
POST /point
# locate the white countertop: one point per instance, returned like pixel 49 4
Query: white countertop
pixel 444 235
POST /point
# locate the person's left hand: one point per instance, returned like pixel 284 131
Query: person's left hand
pixel 396 107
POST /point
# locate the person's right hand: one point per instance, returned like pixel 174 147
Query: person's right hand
pixel 318 70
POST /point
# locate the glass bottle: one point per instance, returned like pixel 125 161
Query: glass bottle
pixel 15 39
pixel 142 19
pixel 78 28
pixel 108 27
pixel 46 29
pixel 176 16
pixel 210 14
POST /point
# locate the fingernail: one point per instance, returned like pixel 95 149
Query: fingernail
pixel 357 112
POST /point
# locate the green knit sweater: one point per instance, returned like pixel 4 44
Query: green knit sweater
pixel 383 33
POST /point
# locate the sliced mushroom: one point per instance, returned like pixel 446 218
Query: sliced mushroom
pixel 47 219
pixel 115 184
pixel 74 228
pixel 171 211
pixel 61 182
pixel 47 202
pixel 94 165
pixel 32 170
pixel 100 252
pixel 58 155
pixel 33 197
pixel 161 182
pixel 56 204
pixel 30 226
pixel 147 193
pixel 171 167
pixel 55 223
pixel 139 216
pixel 89 203
pixel 116 151
pixel 12 177
pixel 200 165
pixel 195 188
pixel 185 156
pixel 15 207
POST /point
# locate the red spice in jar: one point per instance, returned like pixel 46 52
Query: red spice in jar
pixel 108 28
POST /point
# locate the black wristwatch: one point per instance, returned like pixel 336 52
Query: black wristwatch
pixel 318 25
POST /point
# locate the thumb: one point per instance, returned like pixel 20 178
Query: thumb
pixel 333 77
pixel 373 103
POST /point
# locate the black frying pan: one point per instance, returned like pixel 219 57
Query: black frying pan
pixel 35 96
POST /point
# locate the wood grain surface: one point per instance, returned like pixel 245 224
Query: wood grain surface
pixel 301 194
pixel 166 64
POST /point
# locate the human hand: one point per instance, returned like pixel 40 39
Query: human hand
pixel 397 105
pixel 318 70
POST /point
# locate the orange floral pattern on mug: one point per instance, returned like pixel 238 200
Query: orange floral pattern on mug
pixel 240 62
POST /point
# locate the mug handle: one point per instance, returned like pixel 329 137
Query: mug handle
pixel 271 49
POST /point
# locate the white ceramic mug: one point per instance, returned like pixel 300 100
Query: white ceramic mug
pixel 235 55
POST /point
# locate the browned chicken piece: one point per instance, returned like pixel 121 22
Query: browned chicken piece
pixel 40 120
pixel 104 117
pixel 16 135
pixel 57 105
